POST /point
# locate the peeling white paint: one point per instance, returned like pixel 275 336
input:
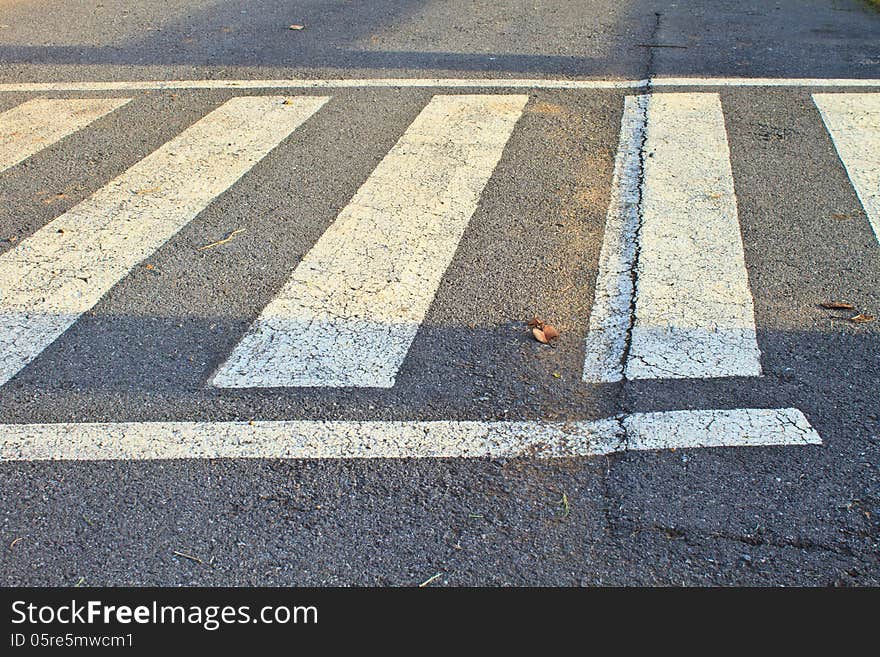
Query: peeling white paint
pixel 351 309
pixel 52 277
pixel 315 439
pixel 610 316
pixel 36 124
pixel 853 121
pixel 694 313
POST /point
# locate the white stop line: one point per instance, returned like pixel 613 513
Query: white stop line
pixel 317 439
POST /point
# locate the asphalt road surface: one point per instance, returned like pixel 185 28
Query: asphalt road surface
pixel 265 293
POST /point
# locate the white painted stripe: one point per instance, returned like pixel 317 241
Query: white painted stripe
pixel 764 82
pixel 462 83
pixel 741 427
pixel 351 309
pixel 316 439
pixel 466 83
pixel 694 310
pixel 49 279
pixel 36 124
pixel 853 121
pixel 610 317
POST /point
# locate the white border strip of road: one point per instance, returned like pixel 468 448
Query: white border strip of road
pixel 468 83
pixel 37 124
pixel 316 439
pixel 853 121
pixel 611 316
pixel 352 307
pixel 48 280
pixel 694 313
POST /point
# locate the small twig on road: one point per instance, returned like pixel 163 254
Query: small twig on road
pixel 226 239
pixel 188 556
pixel 565 509
pixel 429 580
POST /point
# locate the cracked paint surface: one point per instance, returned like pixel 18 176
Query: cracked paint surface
pixel 853 121
pixel 32 126
pixel 60 272
pixel 694 313
pixel 610 317
pixel 351 309
pixel 314 439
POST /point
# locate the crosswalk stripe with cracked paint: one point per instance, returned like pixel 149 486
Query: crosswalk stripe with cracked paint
pixel 37 124
pixel 48 280
pixel 686 309
pixel 351 309
pixel 605 346
pixel 694 313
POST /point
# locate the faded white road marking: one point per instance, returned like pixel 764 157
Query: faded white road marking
pixel 853 120
pixel 318 439
pixel 694 314
pixel 51 278
pixel 36 124
pixel 351 309
pixel 463 83
pixel 610 315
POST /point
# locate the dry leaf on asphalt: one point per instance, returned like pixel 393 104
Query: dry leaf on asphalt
pixel 297 27
pixel 542 331
pixel 861 319
pixel 837 305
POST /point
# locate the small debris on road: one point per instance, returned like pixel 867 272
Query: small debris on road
pixel 564 508
pixel 188 556
pixel 542 332
pixel 540 336
pixel 56 196
pixel 429 580
pixel 296 27
pixel 226 239
pixel 861 318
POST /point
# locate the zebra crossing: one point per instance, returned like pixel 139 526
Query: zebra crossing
pixel 672 298
pixel 350 311
pixel 52 277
